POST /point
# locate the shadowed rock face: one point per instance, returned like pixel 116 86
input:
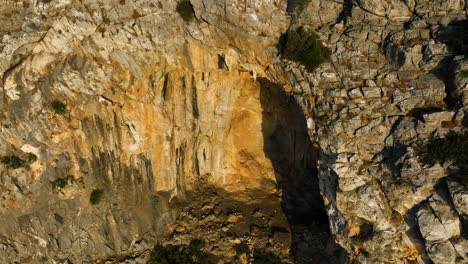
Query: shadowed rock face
pixel 200 130
pixel 294 159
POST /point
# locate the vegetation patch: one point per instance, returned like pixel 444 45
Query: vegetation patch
pixel 259 256
pixel 185 10
pixel 96 196
pixel 31 157
pixel 12 162
pixel 61 183
pixel 241 249
pixel 304 46
pixel 58 107
pixel 464 74
pixel 301 6
pixel 181 254
pixel 193 254
pixel 453 147
pixel 264 257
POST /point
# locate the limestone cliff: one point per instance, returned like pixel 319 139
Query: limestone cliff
pixel 125 124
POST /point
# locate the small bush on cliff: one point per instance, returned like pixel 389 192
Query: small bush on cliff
pixel 58 107
pixel 304 46
pixel 96 196
pixel 464 74
pixel 265 257
pixel 301 5
pixel 185 10
pixel 181 254
pixel 31 157
pixel 453 147
pixel 61 183
pixel 241 249
pixel 259 256
pixel 12 162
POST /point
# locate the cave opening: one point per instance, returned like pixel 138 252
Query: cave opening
pixel 294 159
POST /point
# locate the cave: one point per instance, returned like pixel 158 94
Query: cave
pixel 294 158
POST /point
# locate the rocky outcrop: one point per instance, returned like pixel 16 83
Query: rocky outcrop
pixel 393 85
pixel 198 129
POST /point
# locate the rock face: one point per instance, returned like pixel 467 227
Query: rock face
pixel 198 129
pixel 393 85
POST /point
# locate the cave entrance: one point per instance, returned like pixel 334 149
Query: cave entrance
pixel 294 158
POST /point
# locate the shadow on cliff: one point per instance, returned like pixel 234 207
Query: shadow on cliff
pixel 455 36
pixel 287 145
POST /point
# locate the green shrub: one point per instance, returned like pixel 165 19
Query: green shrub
pixel 185 10
pixel 12 162
pixel 196 245
pixel 61 183
pixel 304 46
pixel 31 157
pixel 301 5
pixel 58 107
pixel 181 254
pixel 453 147
pixel 464 74
pixel 265 257
pixel 242 248
pixel 96 196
